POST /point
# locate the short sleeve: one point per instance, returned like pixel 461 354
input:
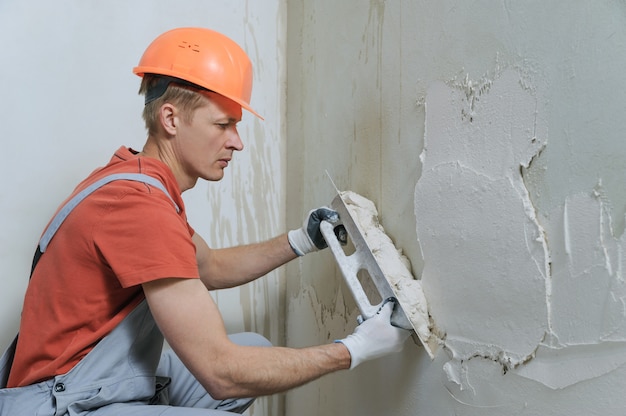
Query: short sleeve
pixel 142 238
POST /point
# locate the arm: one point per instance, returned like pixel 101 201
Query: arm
pixel 229 267
pixel 192 325
pixel 234 266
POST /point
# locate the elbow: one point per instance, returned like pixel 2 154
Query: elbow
pixel 221 382
pixel 227 374
pixel 221 389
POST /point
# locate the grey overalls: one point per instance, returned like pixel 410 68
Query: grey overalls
pixel 126 373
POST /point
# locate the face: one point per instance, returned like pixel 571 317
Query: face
pixel 205 146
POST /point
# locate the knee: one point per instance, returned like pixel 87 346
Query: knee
pixel 250 339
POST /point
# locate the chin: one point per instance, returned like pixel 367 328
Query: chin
pixel 214 177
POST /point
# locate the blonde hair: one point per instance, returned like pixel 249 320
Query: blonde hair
pixel 185 98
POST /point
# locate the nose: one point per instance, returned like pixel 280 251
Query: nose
pixel 234 141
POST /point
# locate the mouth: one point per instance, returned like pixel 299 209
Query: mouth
pixel 224 162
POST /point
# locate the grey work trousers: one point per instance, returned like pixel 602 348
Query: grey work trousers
pixel 125 374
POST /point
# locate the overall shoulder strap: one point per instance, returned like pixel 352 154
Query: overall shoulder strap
pixel 79 197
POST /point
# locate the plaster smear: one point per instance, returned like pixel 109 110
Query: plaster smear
pixel 541 298
pixel 486 261
pixel 587 326
pixel 395 266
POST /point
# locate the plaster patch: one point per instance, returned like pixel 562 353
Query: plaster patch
pixel 588 288
pixel 587 325
pixel 486 261
pixel 544 300
pixel 560 367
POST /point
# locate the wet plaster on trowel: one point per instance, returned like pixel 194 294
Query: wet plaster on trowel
pixel 542 298
pixel 486 261
pixel 395 266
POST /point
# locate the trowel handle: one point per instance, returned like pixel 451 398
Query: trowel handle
pixel 349 266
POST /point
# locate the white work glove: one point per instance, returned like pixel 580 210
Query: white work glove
pixel 309 238
pixel 375 337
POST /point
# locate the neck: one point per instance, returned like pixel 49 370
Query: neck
pixel 161 149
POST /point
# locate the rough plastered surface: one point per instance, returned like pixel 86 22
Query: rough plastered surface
pixel 539 298
pixel 484 252
pixel 586 336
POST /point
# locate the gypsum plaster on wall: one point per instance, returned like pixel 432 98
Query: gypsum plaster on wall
pixel 465 183
pixel 485 255
pixel 587 306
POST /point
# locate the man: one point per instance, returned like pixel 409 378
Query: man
pixel 125 268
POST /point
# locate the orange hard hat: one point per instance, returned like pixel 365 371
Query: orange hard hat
pixel 204 58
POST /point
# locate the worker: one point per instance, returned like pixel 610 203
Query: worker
pixel 119 268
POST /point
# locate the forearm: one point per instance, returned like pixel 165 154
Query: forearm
pixel 259 371
pixel 195 330
pixel 234 266
pixel 230 267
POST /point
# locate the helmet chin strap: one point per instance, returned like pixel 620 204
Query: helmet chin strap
pixel 161 84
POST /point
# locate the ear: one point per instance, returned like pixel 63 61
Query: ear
pixel 168 117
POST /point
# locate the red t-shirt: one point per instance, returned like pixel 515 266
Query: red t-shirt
pixel 89 279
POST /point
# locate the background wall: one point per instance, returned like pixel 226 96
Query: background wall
pixel 69 100
pixel 489 135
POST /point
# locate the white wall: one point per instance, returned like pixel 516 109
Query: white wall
pixel 489 134
pixel 69 100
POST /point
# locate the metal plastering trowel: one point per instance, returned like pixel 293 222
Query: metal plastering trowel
pixel 364 259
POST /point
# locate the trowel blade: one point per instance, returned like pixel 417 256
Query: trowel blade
pixel 368 262
pixel 363 259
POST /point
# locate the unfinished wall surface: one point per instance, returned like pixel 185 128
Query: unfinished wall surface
pixel 489 135
pixel 69 100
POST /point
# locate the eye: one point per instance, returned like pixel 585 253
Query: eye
pixel 226 124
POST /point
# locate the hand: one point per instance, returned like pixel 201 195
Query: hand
pixel 309 238
pixel 375 337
